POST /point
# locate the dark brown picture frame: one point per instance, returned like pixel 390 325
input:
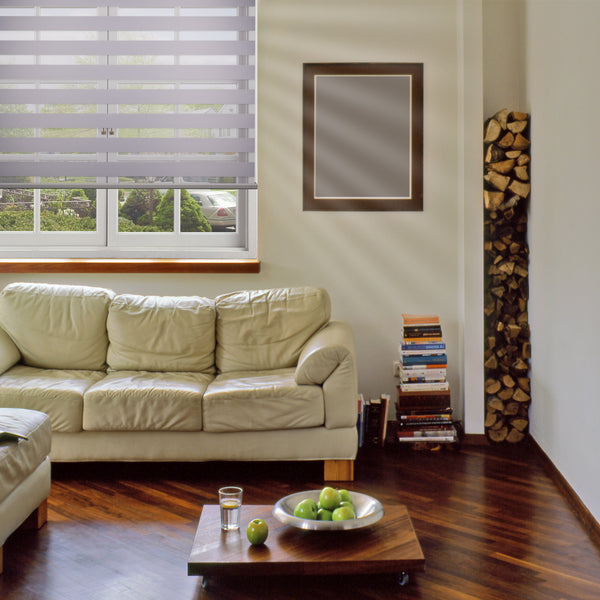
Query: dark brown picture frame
pixel 363 136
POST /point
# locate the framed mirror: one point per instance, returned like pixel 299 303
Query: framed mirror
pixel 363 136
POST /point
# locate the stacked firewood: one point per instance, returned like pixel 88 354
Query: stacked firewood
pixel 507 345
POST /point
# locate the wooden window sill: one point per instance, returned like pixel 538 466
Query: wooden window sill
pixel 115 265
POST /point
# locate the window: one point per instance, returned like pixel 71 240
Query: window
pixel 127 129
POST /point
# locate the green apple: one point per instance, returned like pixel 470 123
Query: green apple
pixel 329 498
pixel 257 531
pixel 306 509
pixel 345 496
pixel 346 503
pixel 343 513
pixel 324 515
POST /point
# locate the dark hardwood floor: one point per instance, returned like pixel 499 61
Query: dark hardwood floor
pixel 491 523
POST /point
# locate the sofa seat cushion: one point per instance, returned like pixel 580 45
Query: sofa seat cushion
pixel 267 329
pixel 145 401
pixel 261 400
pixel 57 326
pixel 20 459
pixel 161 333
pixel 56 392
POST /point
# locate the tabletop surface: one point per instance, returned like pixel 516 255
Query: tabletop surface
pixel 388 546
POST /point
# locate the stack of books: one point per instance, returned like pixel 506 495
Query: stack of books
pixel 373 420
pixel 423 359
pixel 425 417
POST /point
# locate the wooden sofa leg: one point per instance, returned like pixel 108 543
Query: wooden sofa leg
pixel 37 518
pixel 339 470
pixel 1 563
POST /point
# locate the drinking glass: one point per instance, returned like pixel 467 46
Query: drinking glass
pixel 230 501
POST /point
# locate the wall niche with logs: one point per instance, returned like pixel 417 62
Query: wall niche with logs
pixel 506 258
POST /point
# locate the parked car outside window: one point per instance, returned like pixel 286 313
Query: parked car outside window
pixel 219 207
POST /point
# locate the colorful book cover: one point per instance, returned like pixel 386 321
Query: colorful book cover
pixel 409 319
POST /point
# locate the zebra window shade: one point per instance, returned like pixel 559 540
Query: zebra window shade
pixel 92 93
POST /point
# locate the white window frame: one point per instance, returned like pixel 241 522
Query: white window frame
pixel 108 242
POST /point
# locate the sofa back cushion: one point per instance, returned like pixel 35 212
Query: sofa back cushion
pixel 161 333
pixel 57 326
pixel 266 329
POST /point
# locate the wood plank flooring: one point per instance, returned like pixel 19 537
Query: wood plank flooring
pixel 491 523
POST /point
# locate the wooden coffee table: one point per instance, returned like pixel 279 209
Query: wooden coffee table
pixel 388 546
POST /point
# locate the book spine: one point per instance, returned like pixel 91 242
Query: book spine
pixel 424 372
pixel 385 406
pixel 423 376
pixel 443 395
pixel 423 402
pixel 440 438
pixel 421 359
pixel 421 433
pixel 424 353
pixel 430 338
pixel 427 432
pixel 416 329
pixel 417 367
pixel 409 319
pixel 419 426
pixel 415 346
pixel 436 411
pixel 360 420
pixel 424 419
pixel 373 424
pixel 425 387
pixel 405 380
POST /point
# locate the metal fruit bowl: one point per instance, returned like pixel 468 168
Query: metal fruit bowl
pixel 368 511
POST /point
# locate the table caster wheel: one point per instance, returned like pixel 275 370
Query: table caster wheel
pixel 205 582
pixel 403 578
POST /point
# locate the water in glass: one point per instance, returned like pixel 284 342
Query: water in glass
pixel 230 513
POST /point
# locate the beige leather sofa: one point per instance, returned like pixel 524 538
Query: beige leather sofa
pixel 250 376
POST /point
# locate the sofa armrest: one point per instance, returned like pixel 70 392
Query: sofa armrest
pixel 9 353
pixel 329 359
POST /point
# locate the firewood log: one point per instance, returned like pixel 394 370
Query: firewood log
pixel 491 419
pixel 520 142
pixel 492 199
pixel 514 436
pixel 495 404
pixel 495 154
pixel 519 188
pixel 521 173
pixel 507 351
pixel 517 126
pixel 518 116
pixel 507 141
pixel 500 182
pixel 492 386
pixel 519 424
pixel 508 381
pixel 498 435
pixel 492 131
pixel 511 408
pixel 503 167
pixel 521 396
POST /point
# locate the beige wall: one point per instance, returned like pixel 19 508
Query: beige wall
pixel 551 71
pixel 503 56
pixel 375 265
pixel 563 88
